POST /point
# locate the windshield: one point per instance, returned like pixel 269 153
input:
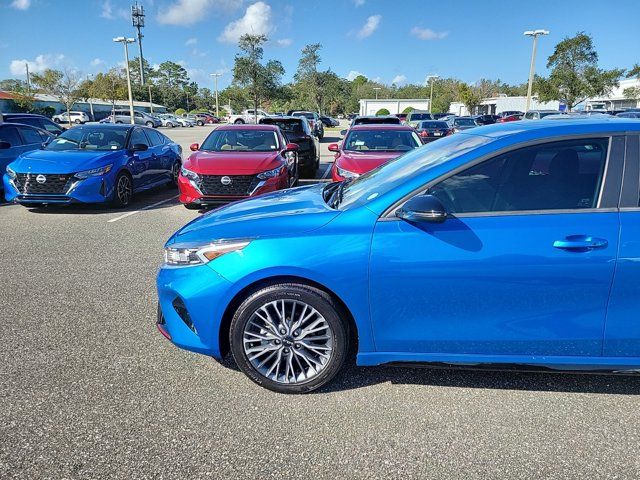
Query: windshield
pixel 381 140
pixel 286 126
pixel 546 114
pixel 378 120
pixel 464 122
pixel 434 125
pixel 241 141
pixel 397 171
pixel 308 115
pixel 90 138
pixel 421 116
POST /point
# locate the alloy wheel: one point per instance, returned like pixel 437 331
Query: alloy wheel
pixel 288 341
pixel 123 190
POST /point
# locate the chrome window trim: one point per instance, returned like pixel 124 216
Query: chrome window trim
pixel 389 213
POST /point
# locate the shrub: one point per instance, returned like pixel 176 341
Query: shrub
pixel 383 111
pixel 408 110
pixel 180 111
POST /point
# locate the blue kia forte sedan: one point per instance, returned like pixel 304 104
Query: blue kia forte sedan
pixel 509 244
pixel 93 164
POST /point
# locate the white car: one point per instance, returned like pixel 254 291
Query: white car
pixel 169 120
pixel 184 121
pixel 248 116
pixel 76 117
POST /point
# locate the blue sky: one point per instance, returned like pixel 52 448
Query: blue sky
pixel 386 40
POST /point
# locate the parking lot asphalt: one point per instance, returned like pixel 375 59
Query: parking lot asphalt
pixel 90 389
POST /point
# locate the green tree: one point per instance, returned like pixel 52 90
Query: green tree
pixel 249 72
pixel 63 85
pixel 633 93
pixel 110 86
pixel 470 96
pixel 408 110
pixel 308 78
pixel 575 75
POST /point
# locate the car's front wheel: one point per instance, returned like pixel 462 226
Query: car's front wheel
pixel 123 191
pixel 149 124
pixel 289 338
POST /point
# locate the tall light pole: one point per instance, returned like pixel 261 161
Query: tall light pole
pixel 431 78
pixel 126 41
pixel 89 99
pixel 376 89
pixel 535 34
pixel 215 77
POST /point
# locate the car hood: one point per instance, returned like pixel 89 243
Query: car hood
pixel 286 212
pixel 47 161
pixel 359 162
pixel 232 163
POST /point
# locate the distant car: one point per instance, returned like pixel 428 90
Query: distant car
pixel 314 122
pixel 415 116
pixel 538 114
pixel 184 121
pixel 401 116
pixel 16 139
pixel 96 163
pixel 76 117
pixel 236 162
pixel 38 121
pixel 440 115
pixel 628 115
pixel 511 118
pixel 508 113
pixel 247 116
pixel 123 115
pixel 430 130
pixel 464 123
pixel 375 120
pixel 329 122
pixel 486 119
pixel 297 130
pixel 169 120
pixel 368 146
pixel 206 119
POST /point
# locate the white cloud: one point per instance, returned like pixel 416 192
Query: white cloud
pixel 372 24
pixel 284 42
pixel 358 3
pixel 353 74
pixel 40 64
pixel 427 34
pixel 21 4
pixel 256 20
pixel 191 41
pixel 188 12
pixel 111 13
pixel 398 79
pixel 96 62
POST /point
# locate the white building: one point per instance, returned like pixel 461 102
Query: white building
pixel 616 100
pixel 503 103
pixel 370 106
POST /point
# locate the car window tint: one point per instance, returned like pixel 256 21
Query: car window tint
pixel 10 134
pixel 138 137
pixel 156 137
pixel 49 126
pixel 30 135
pixel 563 175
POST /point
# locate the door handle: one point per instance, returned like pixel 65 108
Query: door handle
pixel 580 243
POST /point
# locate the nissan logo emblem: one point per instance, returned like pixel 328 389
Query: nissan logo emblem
pixel 41 178
pixel 225 180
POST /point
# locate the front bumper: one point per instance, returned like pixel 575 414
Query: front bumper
pixel 204 294
pixel 190 193
pixel 90 190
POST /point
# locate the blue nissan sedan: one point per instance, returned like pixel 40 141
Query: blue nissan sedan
pixel 514 244
pixel 93 164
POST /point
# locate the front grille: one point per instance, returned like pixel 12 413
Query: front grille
pixel 54 183
pixel 240 185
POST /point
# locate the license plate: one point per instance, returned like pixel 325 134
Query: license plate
pixel 437 134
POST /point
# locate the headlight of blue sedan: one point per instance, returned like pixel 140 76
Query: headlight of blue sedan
pixel 270 173
pixel 94 172
pixel 11 173
pixel 188 254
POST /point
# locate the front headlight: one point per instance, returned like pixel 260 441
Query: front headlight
pixel 270 173
pixel 347 173
pixel 186 255
pixel 95 172
pixel 186 173
pixel 11 173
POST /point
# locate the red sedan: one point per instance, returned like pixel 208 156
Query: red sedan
pixel 235 162
pixel 368 146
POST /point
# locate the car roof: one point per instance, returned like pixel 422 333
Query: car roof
pixel 118 126
pixel 22 115
pixel 542 128
pixel 382 126
pixel 250 126
pixel 544 111
pixel 282 117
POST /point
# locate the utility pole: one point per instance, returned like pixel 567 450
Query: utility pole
pixel 431 78
pixel 215 77
pixel 26 66
pixel 126 41
pixel 535 34
pixel 89 100
pixel 137 18
pixel 376 89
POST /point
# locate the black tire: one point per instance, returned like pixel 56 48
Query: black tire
pixel 313 297
pixel 57 120
pixel 77 121
pixel 175 172
pixel 192 206
pixel 239 121
pixel 149 124
pixel 170 125
pixel 121 200
pixel 119 121
pixel 200 123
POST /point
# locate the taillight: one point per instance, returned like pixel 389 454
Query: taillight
pixel 424 133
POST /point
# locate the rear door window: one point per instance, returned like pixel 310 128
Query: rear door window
pixel 30 135
pixel 156 137
pixel 10 134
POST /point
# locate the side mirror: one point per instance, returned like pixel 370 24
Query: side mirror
pixel 4 145
pixel 333 147
pixel 139 147
pixel 422 208
pixel 194 147
pixel 291 147
pixel 343 132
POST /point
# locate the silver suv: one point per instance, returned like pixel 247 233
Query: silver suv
pixel 140 118
pixel 76 117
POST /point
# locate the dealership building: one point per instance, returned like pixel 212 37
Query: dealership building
pixel 369 106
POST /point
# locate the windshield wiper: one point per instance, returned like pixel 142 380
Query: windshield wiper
pixel 336 196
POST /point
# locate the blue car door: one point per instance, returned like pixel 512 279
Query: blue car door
pixel 622 330
pixel 140 161
pixel 522 266
pixel 161 158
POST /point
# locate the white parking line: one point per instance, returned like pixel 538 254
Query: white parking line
pixel 128 214
pixel 326 172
